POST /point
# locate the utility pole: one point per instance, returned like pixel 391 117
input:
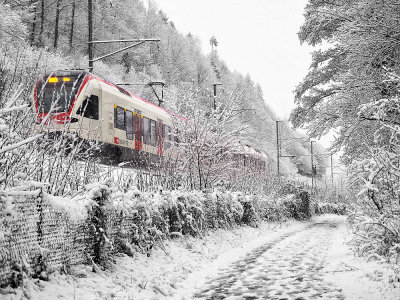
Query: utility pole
pixel 90 35
pixel 332 169
pixel 278 154
pixel 312 166
pixel 91 42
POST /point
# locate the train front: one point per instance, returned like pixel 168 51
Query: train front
pixel 54 97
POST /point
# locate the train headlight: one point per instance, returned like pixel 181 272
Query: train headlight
pixel 53 79
pixel 66 79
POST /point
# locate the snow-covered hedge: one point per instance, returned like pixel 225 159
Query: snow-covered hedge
pixel 329 208
pixel 40 233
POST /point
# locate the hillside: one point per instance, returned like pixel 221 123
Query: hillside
pixel 53 35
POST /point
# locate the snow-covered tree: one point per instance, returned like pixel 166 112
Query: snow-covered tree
pixel 359 40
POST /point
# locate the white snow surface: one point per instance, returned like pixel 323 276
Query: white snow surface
pixel 358 278
pixel 192 262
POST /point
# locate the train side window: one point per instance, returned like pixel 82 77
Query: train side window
pixel 163 132
pixel 153 130
pixel 167 133
pixel 175 137
pixel 129 124
pixel 166 136
pixel 119 117
pixel 138 125
pixel 146 131
pixel 89 108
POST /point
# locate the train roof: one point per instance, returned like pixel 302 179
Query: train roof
pixel 66 73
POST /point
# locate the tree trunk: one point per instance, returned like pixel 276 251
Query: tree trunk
pixel 71 32
pixel 57 24
pixel 32 39
pixel 41 21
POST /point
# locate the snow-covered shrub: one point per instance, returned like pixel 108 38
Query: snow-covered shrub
pixel 329 208
pixel 295 201
pixel 291 206
pixel 272 209
pixel 250 212
pixel 377 237
pixel 222 210
pixel 99 216
pixel 376 175
pixel 190 210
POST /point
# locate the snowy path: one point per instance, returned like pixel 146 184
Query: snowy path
pixel 290 267
pixel 295 260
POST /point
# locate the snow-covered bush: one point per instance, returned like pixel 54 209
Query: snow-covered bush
pixel 329 208
pixel 273 210
pixel 377 237
pixel 376 175
pixel 250 213
pixel 296 201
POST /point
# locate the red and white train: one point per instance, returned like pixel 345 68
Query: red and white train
pixel 95 109
pixel 129 127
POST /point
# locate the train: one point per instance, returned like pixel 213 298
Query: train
pixel 129 127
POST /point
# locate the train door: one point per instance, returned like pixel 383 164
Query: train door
pixel 90 110
pixel 160 137
pixel 138 128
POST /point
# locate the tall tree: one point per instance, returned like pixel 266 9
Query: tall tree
pixel 71 31
pixel 363 42
pixel 213 42
pixel 41 21
pixel 33 30
pixel 56 23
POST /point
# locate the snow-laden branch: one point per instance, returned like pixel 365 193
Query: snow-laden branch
pixel 21 143
pixel 14 193
pixel 13 109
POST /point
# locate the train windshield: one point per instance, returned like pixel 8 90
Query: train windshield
pixel 56 93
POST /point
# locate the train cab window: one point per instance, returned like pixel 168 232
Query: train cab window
pixel 153 133
pixel 119 117
pixel 89 108
pixel 146 131
pixel 129 124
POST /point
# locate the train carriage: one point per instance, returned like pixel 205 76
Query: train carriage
pixel 128 127
pixel 95 109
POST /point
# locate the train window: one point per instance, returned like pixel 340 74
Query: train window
pixel 138 121
pixel 146 131
pixel 129 124
pixel 166 136
pixel 167 131
pixel 175 136
pixel 89 108
pixel 119 117
pixel 153 130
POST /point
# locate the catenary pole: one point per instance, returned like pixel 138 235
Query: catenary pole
pixel 332 169
pixel 90 35
pixel 312 166
pixel 277 147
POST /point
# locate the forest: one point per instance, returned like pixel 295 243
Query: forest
pixel 45 35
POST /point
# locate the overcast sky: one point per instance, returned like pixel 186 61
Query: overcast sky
pixel 258 37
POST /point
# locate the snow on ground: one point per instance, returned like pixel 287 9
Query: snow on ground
pixel 357 278
pixel 305 264
pixel 288 267
pixel 296 260
pixel 159 276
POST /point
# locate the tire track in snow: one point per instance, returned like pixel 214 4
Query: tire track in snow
pixel 290 267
